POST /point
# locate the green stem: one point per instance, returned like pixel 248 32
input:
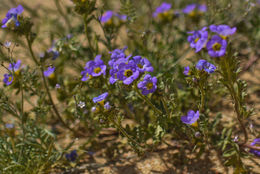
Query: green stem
pixel 147 100
pixel 47 89
pixel 87 33
pixel 165 106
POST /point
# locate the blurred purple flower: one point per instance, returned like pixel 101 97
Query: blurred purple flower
pixel 164 7
pixel 72 156
pixel 198 39
pixel 49 72
pixel 191 117
pixel 15 67
pixel 216 46
pixel 148 85
pixel 206 66
pixel 256 142
pixel 101 98
pixel 193 9
pixel 186 70
pixel 11 17
pixel 8 79
pixel 222 30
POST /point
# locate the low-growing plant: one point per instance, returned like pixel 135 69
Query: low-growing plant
pixel 153 71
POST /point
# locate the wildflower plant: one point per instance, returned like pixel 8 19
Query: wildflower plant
pixel 150 72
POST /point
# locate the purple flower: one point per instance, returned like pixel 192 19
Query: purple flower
pixel 107 17
pixel 198 39
pixel 206 66
pixel 194 9
pixel 127 72
pixel 143 64
pixel 10 19
pixel 100 99
pixel 222 30
pixel 148 85
pixel 8 79
pixel 186 70
pixel 191 117
pixel 163 8
pixel 49 72
pixel 117 54
pixel 9 126
pixel 107 106
pixel 216 46
pixel 96 67
pixel 72 156
pixel 256 142
pixel 15 67
pixel 54 53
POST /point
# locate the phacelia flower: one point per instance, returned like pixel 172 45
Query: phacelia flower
pixel 191 117
pixel 148 85
pixel 256 142
pixel 100 99
pixel 9 126
pixel 11 18
pixel 49 72
pixel 115 68
pixel 107 106
pixel 7 44
pixel 186 70
pixel 194 9
pixel 198 39
pixel 216 46
pixel 206 66
pixel 94 68
pixel 15 67
pixel 8 79
pixel 163 9
pixel 127 72
pixel 116 54
pixel 72 156
pixel 222 30
pixel 143 64
pixel 54 53
pixel 107 17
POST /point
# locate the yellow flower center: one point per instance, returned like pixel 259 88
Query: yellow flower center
pixel 223 37
pixel 102 103
pixel 216 46
pixel 164 15
pixel 140 65
pixel 196 40
pixel 97 70
pixel 193 13
pixel 52 76
pixel 109 22
pixel 195 124
pixel 10 79
pixel 149 85
pixel 128 73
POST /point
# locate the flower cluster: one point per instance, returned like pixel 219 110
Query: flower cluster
pixel 194 9
pixel 11 18
pixel 94 68
pixel 72 156
pixel 125 69
pixel 216 44
pixel 201 65
pixel 107 17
